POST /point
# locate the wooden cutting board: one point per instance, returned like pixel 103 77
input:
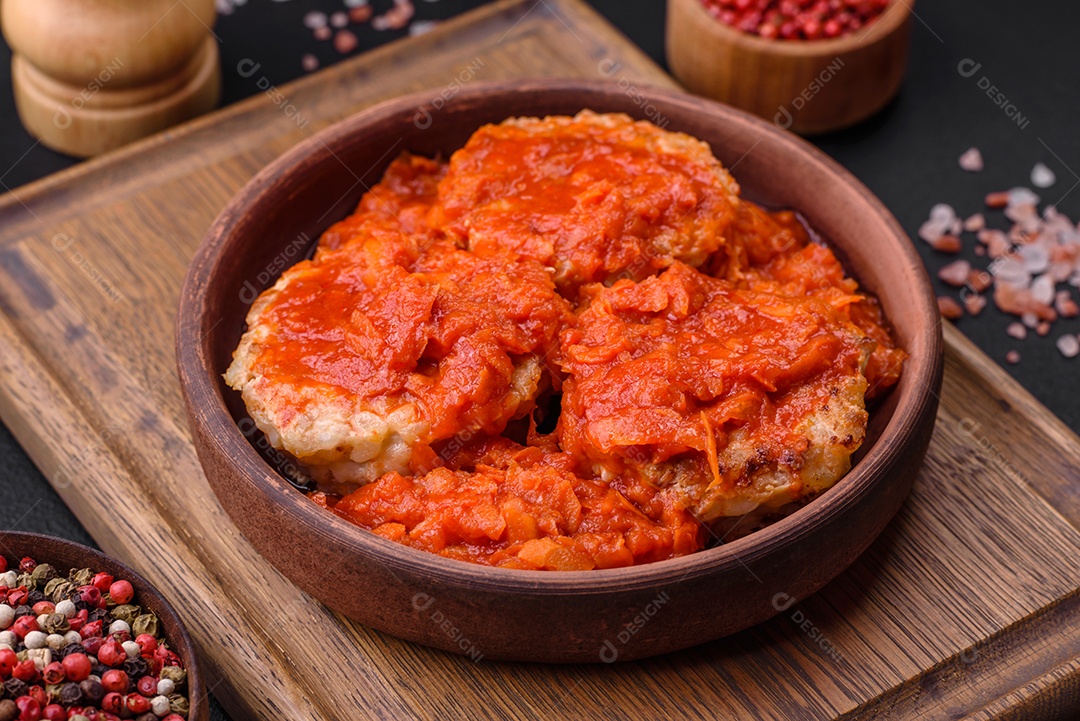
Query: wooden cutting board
pixel 967 606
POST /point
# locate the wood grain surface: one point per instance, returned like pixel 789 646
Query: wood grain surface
pixel 966 607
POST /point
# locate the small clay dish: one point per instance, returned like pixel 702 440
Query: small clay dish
pixel 809 86
pixel 64 555
pixel 539 616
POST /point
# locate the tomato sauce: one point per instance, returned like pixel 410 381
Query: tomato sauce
pixel 667 312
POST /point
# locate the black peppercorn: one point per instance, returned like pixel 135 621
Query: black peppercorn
pixel 97 668
pixel 92 691
pixel 36 596
pixel 23 610
pixel 15 688
pixel 70 694
pixel 68 650
pixel 136 667
pixel 146 717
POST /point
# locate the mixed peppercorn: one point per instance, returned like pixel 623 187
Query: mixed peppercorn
pixel 797 19
pixel 78 648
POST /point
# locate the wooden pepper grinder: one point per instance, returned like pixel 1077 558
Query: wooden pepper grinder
pixel 92 75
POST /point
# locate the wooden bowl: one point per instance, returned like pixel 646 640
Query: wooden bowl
pixel 64 555
pixel 585 616
pixel 809 86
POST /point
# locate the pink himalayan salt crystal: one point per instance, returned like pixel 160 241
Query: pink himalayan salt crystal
pixel 309 63
pixel 947 243
pixel 1017 330
pixel 955 273
pixel 396 17
pixel 975 223
pixel 974 303
pixel 345 42
pixel 980 251
pixel 1043 328
pixel 1012 357
pixel 1042 176
pixel 315 19
pixel 1065 305
pixel 1069 346
pixel 1042 290
pixel 422 27
pixel 339 19
pixel 323 33
pixel 972 160
pixel 1018 301
pixel 949 308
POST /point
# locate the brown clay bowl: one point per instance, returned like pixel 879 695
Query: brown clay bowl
pixel 583 616
pixel 64 555
pixel 809 86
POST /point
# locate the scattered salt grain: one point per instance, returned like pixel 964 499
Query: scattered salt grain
pixel 947 244
pixel 345 42
pixel 974 303
pixel 315 20
pixel 1011 270
pixel 356 3
pixel 1034 258
pixel 1065 305
pixel 949 308
pixel 972 160
pixel 1012 357
pixel 309 62
pixel 339 19
pixel 323 33
pixel 1069 345
pixel 360 14
pixel 422 26
pixel 974 223
pixel 1042 177
pixel 979 280
pixel 1043 328
pixel 1042 290
pixel 1017 330
pixel 1029 319
pixel 1023 196
pixel 955 273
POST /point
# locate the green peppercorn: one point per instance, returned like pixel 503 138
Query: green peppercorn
pixel 59 589
pixel 42 574
pixel 146 623
pixel 56 623
pixel 126 613
pixel 8 710
pixel 25 579
pixel 178 704
pixel 81 577
pixel 175 674
pixel 53 691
